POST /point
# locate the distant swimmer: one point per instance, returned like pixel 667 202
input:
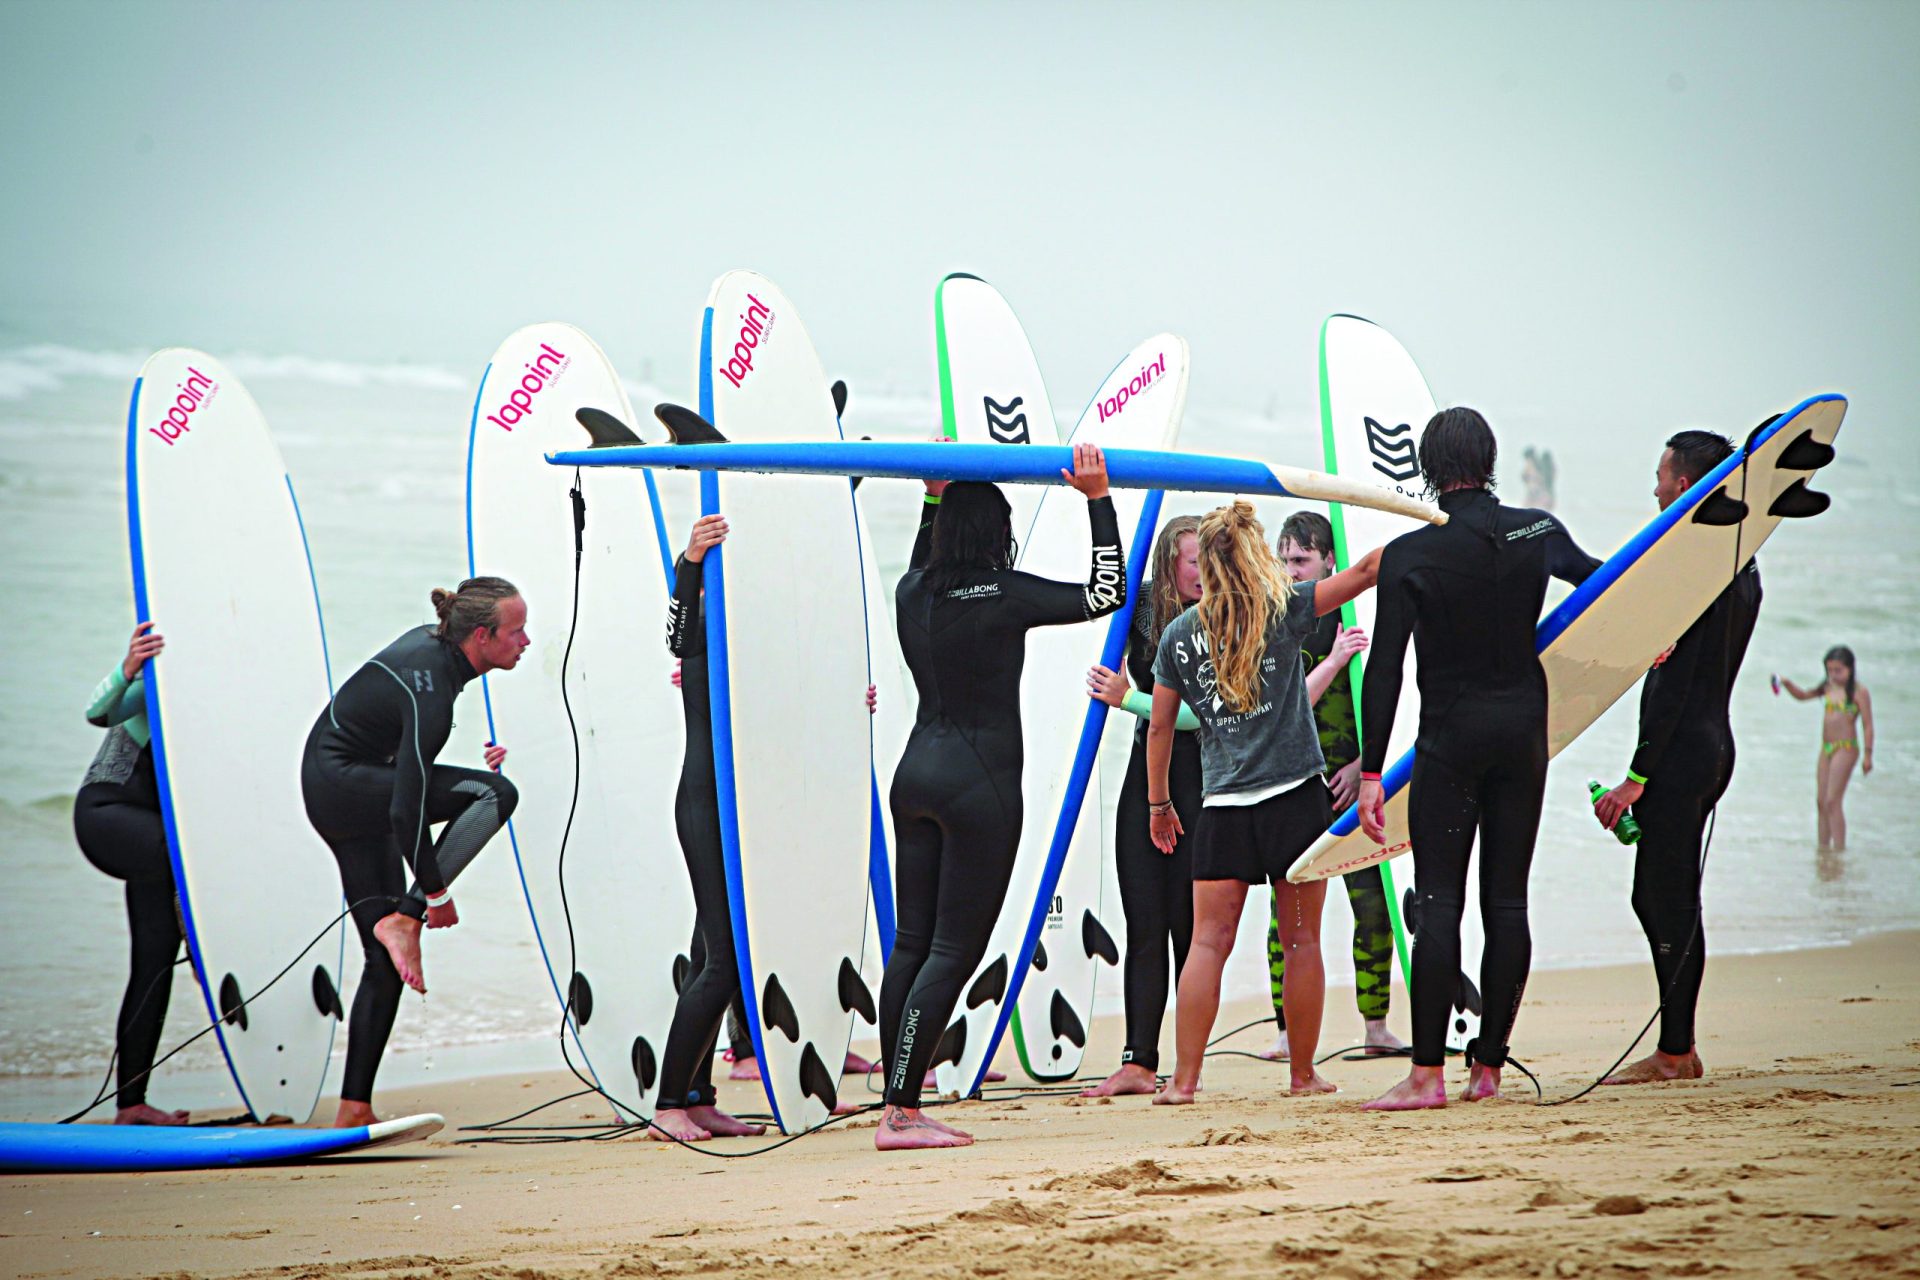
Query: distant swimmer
pixel 963 616
pixel 1537 472
pixel 1156 887
pixel 1846 739
pixel 373 790
pixel 1306 549
pixel 1468 594
pixel 117 820
pixel 1234 659
pixel 1680 769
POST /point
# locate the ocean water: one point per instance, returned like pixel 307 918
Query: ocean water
pixel 377 454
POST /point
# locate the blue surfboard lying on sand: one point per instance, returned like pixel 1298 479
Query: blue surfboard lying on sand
pixel 125 1148
pixel 1026 464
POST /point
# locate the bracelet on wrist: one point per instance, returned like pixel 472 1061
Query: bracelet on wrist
pixel 441 899
pixel 1369 777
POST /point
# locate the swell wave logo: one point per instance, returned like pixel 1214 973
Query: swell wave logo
pixel 755 323
pixel 192 393
pixel 539 375
pixel 1002 424
pixel 1392 449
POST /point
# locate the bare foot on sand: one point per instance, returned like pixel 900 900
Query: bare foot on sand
pixel 856 1065
pixel 1658 1066
pixel 144 1114
pixel 1423 1088
pixel 720 1124
pixel 906 1129
pixel 744 1069
pixel 400 935
pixel 1311 1083
pixel 1176 1093
pixel 1483 1082
pixel 1130 1078
pixel 353 1115
pixel 677 1125
pixel 1380 1041
pixel 1279 1052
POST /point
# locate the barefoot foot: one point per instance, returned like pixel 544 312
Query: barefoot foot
pixel 1380 1041
pixel 720 1124
pixel 1280 1052
pixel 1658 1066
pixel 907 1129
pixel 400 935
pixel 1311 1083
pixel 354 1115
pixel 1176 1094
pixel 744 1069
pixel 856 1065
pixel 141 1113
pixel 676 1125
pixel 1483 1082
pixel 1424 1087
pixel 1130 1078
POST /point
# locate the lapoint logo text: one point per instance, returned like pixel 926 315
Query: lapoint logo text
pixel 539 375
pixel 1113 404
pixel 755 322
pixel 191 395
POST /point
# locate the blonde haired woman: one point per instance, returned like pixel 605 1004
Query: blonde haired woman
pixel 1234 658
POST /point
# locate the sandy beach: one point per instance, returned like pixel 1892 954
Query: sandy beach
pixel 1796 1156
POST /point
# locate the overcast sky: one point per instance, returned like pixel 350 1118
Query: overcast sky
pixel 1592 212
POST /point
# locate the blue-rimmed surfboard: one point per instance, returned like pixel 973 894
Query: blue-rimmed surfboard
pixel 123 1148
pixel 220 564
pixel 1598 642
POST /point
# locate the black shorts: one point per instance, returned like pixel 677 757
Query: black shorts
pixel 1258 843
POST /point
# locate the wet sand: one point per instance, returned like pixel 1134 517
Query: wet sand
pixel 1799 1154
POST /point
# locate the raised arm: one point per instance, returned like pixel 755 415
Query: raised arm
pixel 923 536
pixel 683 614
pixel 1799 694
pixel 1335 590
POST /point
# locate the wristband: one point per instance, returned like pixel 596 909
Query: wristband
pixel 1369 777
pixel 1163 807
pixel 1634 777
pixel 931 499
pixel 442 899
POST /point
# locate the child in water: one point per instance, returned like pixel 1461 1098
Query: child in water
pixel 1846 739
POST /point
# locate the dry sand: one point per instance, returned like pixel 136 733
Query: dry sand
pixel 1797 1156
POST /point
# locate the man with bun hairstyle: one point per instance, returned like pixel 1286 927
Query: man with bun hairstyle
pixel 373 791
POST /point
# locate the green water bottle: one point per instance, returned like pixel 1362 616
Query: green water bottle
pixel 1627 831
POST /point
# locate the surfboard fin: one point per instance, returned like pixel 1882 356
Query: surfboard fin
pixel 605 429
pixel 952 1044
pixel 1467 996
pixel 839 398
pixel 1797 502
pixel 776 1010
pixel 1098 942
pixel 1720 509
pixel 233 1009
pixel 645 1066
pixel 815 1080
pixel 1066 1023
pixel 1040 955
pixel 991 985
pixel 682 966
pixel 580 999
pixel 326 996
pixel 854 996
pixel 684 426
pixel 1805 454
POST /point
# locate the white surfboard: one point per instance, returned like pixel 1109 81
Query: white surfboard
pixel 1598 642
pixel 1374 407
pixel 1138 406
pixel 612 943
pixel 220 564
pixel 894 709
pixel 786 610
pixel 991 391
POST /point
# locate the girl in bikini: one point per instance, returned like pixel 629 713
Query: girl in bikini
pixel 1846 739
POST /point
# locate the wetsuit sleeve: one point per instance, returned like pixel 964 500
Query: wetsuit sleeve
pixel 1664 700
pixel 1386 662
pixel 1141 704
pixel 1042 602
pixel 1565 560
pixel 117 700
pixel 683 611
pixel 923 537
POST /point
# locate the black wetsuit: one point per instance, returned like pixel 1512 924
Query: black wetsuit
pixel 713 980
pixel 1156 889
pixel 1469 594
pixel 956 796
pixel 1685 759
pixel 373 791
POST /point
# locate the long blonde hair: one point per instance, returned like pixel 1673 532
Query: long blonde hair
pixel 1165 603
pixel 1242 583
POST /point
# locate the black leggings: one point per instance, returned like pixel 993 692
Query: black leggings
pixel 1156 893
pixel 713 979
pixel 348 807
pixel 957 830
pixel 121 832
pixel 1493 784
pixel 1666 879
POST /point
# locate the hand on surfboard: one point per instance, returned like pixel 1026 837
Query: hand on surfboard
pixel 1107 685
pixel 937 487
pixel 1373 810
pixel 873 699
pixel 708 531
pixel 496 756
pixel 146 643
pixel 1089 474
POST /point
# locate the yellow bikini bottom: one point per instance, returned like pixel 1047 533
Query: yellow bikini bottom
pixel 1839 744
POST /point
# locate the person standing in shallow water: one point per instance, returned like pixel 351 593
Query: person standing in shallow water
pixel 373 791
pixel 1846 739
pixel 1468 595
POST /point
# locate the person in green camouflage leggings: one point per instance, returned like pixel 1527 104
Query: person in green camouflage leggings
pixel 1306 547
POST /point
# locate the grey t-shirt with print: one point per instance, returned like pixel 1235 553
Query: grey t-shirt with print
pixel 1271 745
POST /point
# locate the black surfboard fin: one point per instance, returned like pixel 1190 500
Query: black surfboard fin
pixel 1805 454
pixel 580 998
pixel 1797 502
pixel 684 426
pixel 990 985
pixel 816 1081
pixel 645 1065
pixel 952 1044
pixel 326 996
pixel 1409 914
pixel 1066 1023
pixel 854 996
pixel 682 966
pixel 839 398
pixel 1720 509
pixel 605 429
pixel 1467 996
pixel 1098 942
pixel 776 1010
pixel 1039 955
pixel 233 1009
